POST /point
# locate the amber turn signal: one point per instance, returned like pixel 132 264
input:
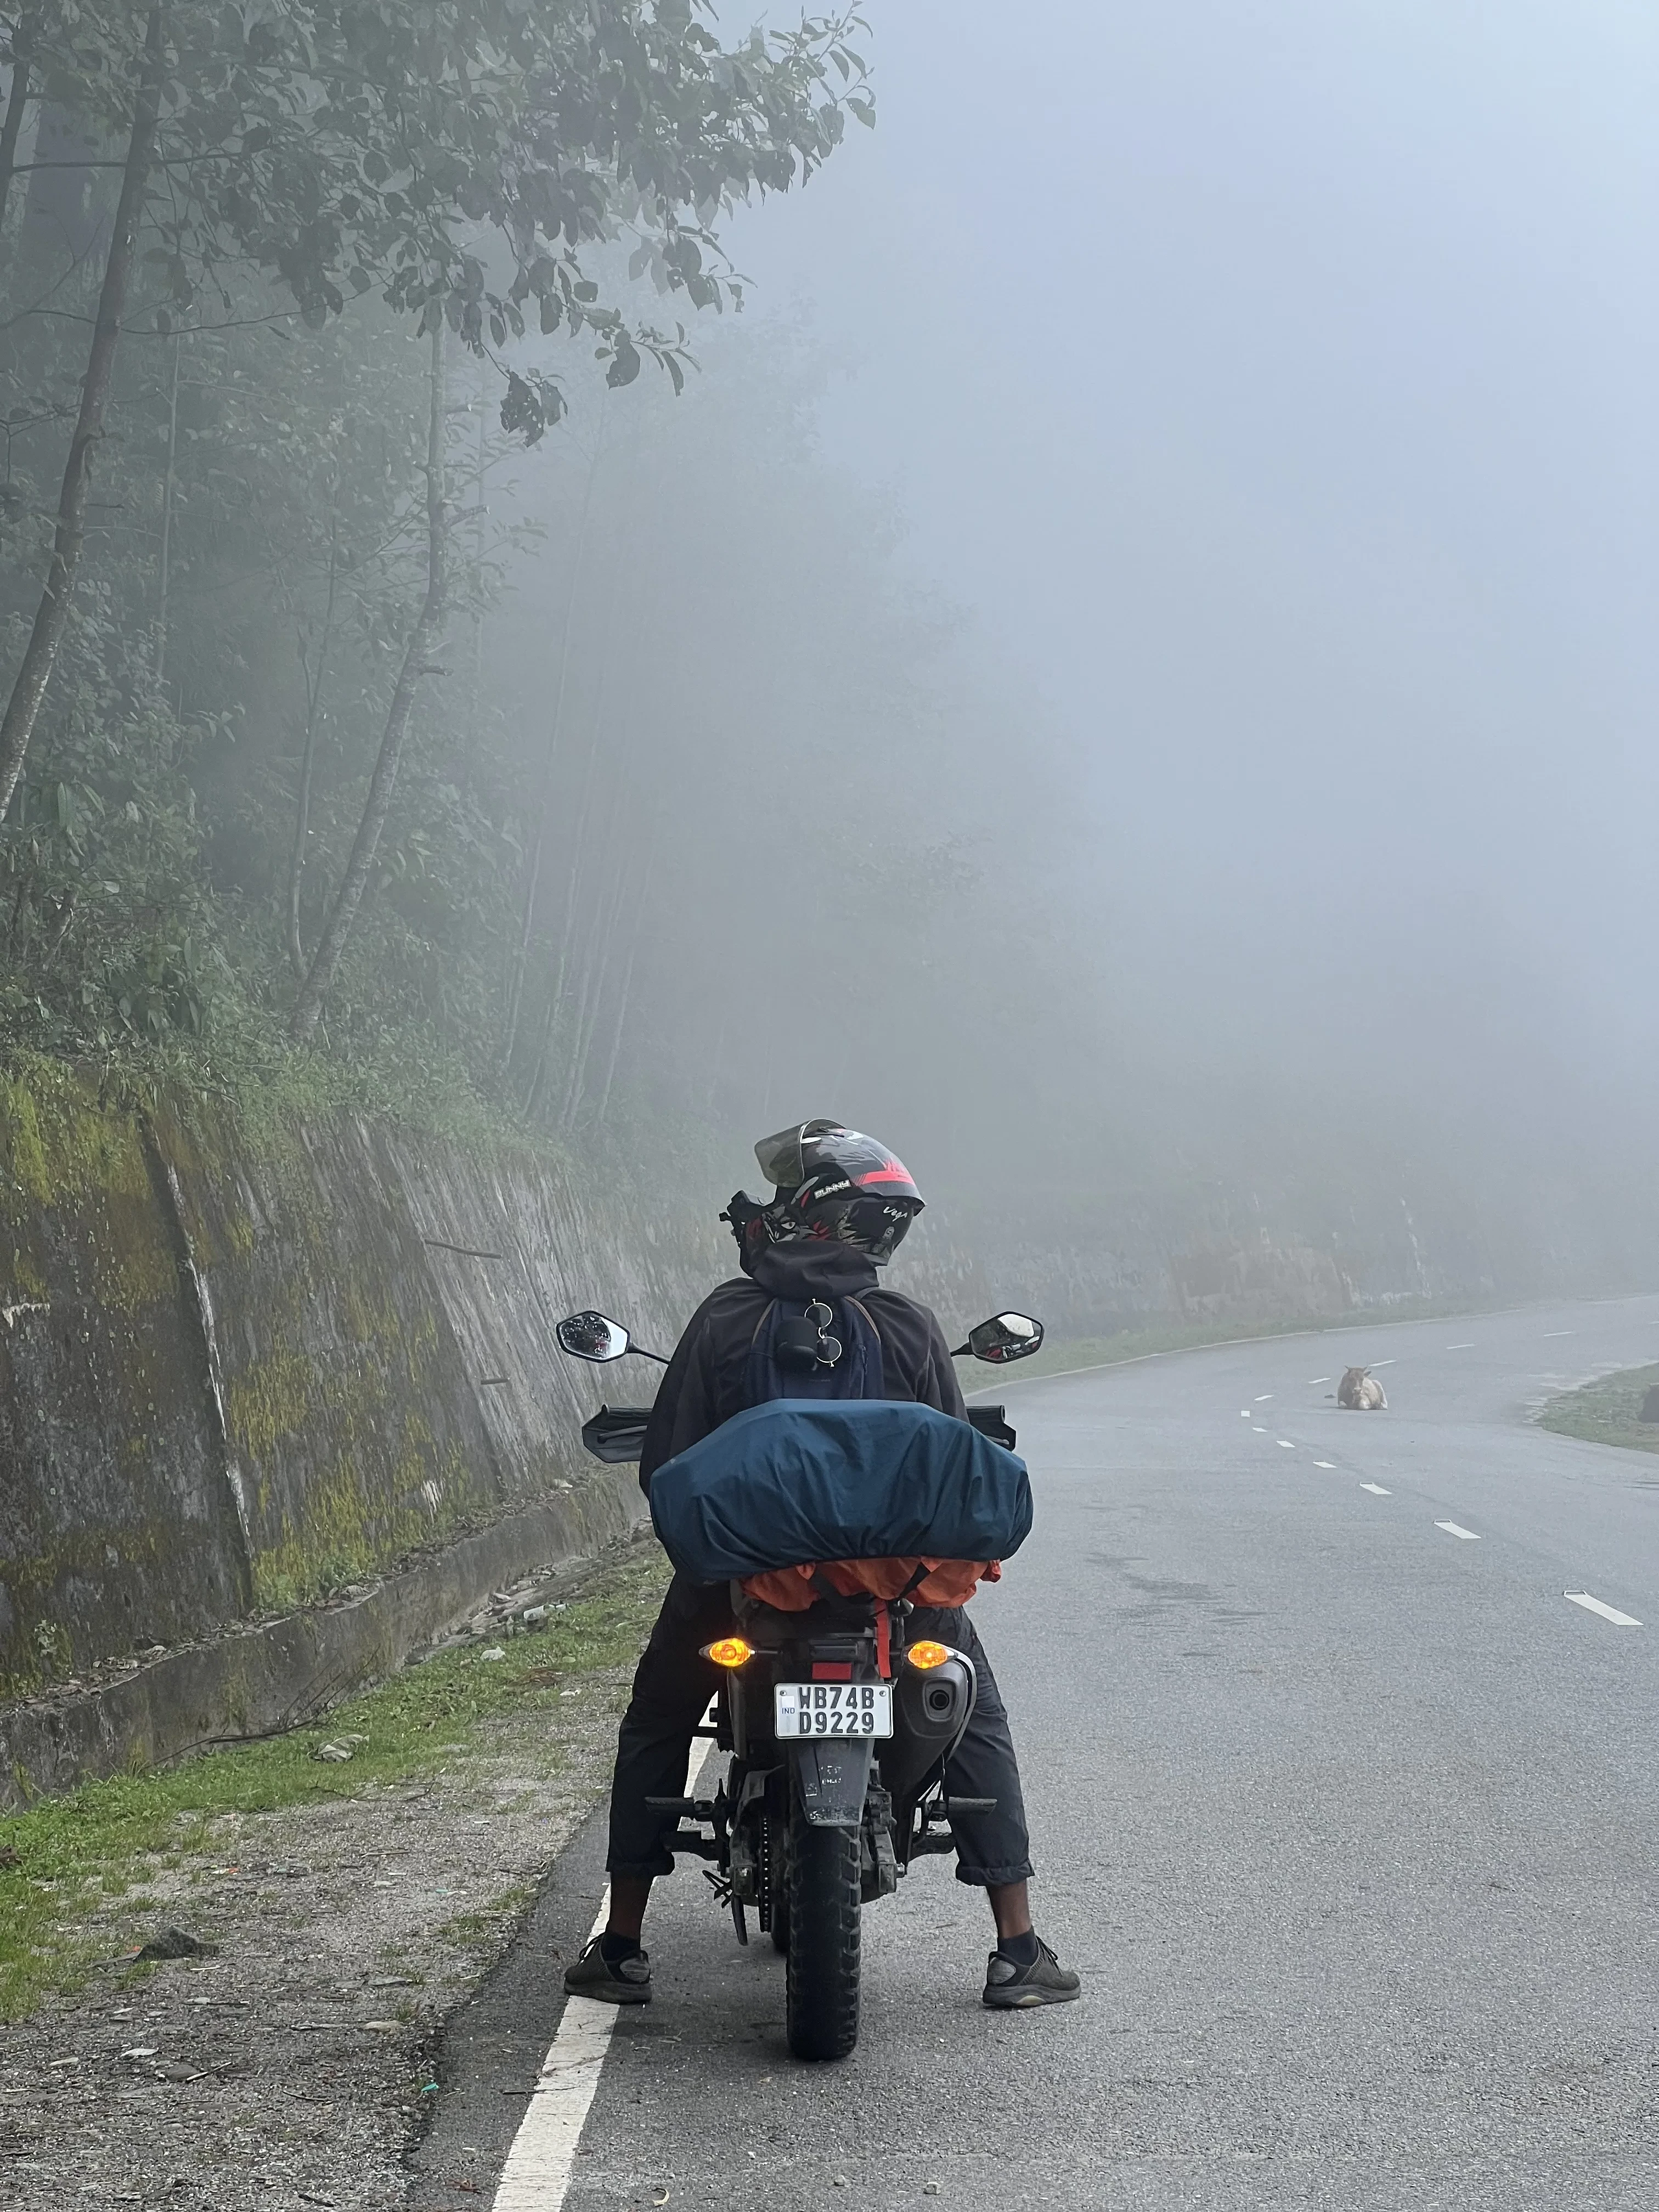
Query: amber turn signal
pixel 729 1651
pixel 926 1654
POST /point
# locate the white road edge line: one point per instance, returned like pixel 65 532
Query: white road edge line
pixel 1376 1490
pixel 1594 1605
pixel 536 2175
pixel 1452 1529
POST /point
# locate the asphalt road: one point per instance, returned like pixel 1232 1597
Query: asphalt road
pixel 1347 1819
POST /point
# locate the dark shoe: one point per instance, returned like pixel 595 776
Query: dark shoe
pixel 622 1981
pixel 1009 1988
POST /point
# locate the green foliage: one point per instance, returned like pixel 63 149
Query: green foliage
pixel 356 147
pixel 329 179
pixel 1607 1411
pixel 109 927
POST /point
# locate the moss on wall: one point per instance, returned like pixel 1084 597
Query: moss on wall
pixel 63 1153
pixel 345 1536
pixel 269 1401
pixel 245 1370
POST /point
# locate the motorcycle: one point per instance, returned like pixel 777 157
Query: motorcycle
pixel 840 1728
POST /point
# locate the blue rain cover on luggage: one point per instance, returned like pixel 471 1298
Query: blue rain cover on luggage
pixel 803 1480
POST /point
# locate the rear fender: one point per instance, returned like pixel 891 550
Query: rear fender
pixel 832 1775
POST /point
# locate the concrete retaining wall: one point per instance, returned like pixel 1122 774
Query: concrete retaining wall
pixel 265 1676
pixel 238 1378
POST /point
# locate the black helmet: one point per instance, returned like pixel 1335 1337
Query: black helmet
pixel 830 1182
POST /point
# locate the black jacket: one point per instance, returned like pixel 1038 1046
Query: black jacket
pixel 704 1384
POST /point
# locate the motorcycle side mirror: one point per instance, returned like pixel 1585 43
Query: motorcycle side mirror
pixel 592 1336
pixel 1005 1337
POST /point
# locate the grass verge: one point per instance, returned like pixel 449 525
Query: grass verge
pixel 63 1857
pixel 1605 1412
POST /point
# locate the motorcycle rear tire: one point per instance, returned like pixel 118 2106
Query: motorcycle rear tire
pixel 823 1936
pixel 777 1861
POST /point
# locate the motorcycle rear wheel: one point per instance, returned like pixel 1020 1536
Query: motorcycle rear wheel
pixel 777 1868
pixel 823 1936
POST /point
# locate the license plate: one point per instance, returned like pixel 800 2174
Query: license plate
pixel 832 1709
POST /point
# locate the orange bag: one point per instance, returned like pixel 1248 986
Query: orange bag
pixel 947 1582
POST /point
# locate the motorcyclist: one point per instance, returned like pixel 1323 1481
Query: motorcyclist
pixel 840 1206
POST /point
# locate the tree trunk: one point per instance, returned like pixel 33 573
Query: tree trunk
pixel 337 932
pixel 597 967
pixel 167 491
pixel 578 1044
pixel 572 886
pixel 296 866
pixel 575 880
pixel 476 697
pixel 521 950
pixel 29 690
pixel 637 930
pixel 17 100
pixel 616 1034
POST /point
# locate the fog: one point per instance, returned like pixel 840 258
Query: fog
pixel 1127 670
pixel 1274 385
pixel 1268 389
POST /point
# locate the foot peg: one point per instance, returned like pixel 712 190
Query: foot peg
pixel 687 1840
pixel 931 1836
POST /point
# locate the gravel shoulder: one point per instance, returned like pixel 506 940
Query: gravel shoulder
pixel 346 1906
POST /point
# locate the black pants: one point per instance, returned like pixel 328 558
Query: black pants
pixel 672 1690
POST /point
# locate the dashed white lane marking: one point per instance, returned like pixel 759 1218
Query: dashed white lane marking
pixel 1460 1347
pixel 1314 1381
pixel 1376 1490
pixel 1329 1465
pixel 1594 1605
pixel 1243 1412
pixel 1385 1363
pixel 1560 1331
pixel 1452 1529
pixel 1263 1399
pixel 536 2175
pixel 1284 1443
pixel 1255 1431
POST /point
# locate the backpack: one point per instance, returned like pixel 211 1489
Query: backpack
pixel 814 1348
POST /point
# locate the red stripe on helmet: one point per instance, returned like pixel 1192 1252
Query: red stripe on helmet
pixel 891 1172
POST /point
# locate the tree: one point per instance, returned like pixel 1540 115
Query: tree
pixel 21 55
pixel 355 146
pixel 35 671
pixel 423 641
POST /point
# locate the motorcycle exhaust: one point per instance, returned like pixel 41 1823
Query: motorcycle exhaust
pixel 934 1707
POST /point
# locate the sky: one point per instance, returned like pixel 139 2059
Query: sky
pixel 1275 383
